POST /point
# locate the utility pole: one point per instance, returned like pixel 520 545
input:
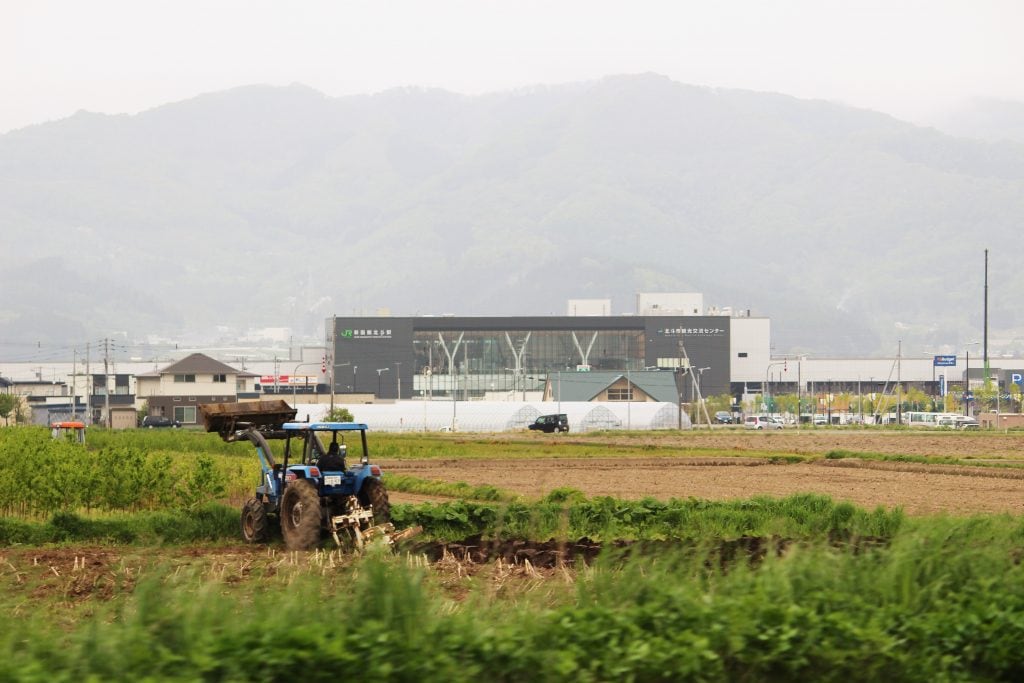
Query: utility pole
pixel 985 325
pixel 74 373
pixel 106 381
pixel 398 374
pixel 694 384
pixel 899 383
pixel 799 389
pixel 330 352
pixel 88 386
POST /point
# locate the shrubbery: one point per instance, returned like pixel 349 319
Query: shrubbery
pixel 41 476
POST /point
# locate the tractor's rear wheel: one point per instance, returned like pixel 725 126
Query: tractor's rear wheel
pixel 300 515
pixel 255 524
pixel 376 494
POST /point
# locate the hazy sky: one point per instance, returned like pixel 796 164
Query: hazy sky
pixel 905 57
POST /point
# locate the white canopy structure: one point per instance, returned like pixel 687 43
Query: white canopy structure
pixel 501 416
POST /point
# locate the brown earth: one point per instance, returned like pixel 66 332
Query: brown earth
pixel 682 469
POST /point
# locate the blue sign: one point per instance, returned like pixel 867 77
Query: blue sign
pixel 969 396
pixel 1017 378
pixel 942 385
pixel 944 361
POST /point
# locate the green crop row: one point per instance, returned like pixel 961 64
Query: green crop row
pixel 803 516
pixel 944 601
pixel 41 476
pixel 561 517
pixel 922 459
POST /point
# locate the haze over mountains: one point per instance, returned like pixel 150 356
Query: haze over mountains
pixel 265 206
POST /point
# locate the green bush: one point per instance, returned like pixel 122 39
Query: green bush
pixel 40 476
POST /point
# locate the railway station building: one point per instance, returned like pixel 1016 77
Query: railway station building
pixel 507 358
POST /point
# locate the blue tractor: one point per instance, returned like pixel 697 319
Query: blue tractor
pixel 313 490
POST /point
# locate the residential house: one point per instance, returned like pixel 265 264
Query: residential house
pixel 177 390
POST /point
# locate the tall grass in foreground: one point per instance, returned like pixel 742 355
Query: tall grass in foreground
pixel 943 602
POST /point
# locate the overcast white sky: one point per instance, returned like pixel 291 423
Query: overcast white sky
pixel 904 57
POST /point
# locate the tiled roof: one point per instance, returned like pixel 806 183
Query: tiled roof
pixel 200 363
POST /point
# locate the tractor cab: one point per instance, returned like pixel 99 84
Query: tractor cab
pixel 316 451
pixel 324 443
pixel 69 431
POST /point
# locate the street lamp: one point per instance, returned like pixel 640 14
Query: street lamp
pixel 380 371
pixel 293 379
pixel 700 396
pixel 967 376
pixel 334 367
pixel 767 390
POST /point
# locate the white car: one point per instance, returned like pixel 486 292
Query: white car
pixel 761 422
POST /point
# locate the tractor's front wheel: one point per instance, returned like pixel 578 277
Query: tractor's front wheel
pixel 374 493
pixel 255 524
pixel 300 515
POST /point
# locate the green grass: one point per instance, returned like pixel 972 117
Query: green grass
pixel 459 489
pixel 943 601
pixel 526 447
pixel 922 459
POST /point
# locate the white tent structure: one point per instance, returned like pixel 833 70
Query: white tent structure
pixel 501 416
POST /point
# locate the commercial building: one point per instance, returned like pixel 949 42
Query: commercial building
pixel 487 357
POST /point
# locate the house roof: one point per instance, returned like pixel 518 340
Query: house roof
pixel 584 386
pixel 198 363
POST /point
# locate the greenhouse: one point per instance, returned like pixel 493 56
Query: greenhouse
pixel 503 416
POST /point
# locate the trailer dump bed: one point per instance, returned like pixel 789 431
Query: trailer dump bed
pixel 226 418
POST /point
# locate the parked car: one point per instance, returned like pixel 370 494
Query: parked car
pixel 723 417
pixel 761 422
pixel 551 423
pixel 152 421
pixel 779 421
pixel 964 422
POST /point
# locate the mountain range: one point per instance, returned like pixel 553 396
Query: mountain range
pixel 279 206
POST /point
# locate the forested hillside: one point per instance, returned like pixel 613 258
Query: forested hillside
pixel 281 206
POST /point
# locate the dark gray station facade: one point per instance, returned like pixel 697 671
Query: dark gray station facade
pixel 469 358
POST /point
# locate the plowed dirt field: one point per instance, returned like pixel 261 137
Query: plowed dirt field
pixel 729 464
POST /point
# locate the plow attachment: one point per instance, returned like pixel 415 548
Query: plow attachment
pixel 353 524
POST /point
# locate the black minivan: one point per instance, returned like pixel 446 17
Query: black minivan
pixel 551 423
pixel 151 421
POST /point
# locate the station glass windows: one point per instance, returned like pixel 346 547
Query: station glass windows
pixel 473 363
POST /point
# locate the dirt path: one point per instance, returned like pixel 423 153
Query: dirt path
pixel 817 441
